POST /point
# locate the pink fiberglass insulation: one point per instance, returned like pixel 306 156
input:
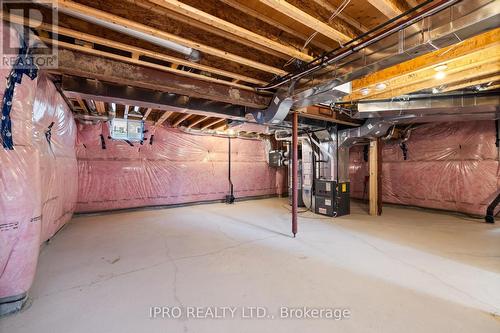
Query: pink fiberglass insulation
pixel 450 166
pixel 20 192
pixel 176 168
pixel 38 182
pixel 58 166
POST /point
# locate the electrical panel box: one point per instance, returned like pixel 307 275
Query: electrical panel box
pixel 127 129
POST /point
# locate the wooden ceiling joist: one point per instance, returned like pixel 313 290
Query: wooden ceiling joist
pixel 101 15
pixel 480 52
pixel 264 18
pixel 147 113
pixel 472 83
pixel 202 26
pixel 85 65
pixel 423 81
pixel 182 118
pixel 163 118
pixel 326 114
pixel 242 33
pixel 331 8
pixel 196 122
pixel 82 105
pixel 390 8
pixel 132 49
pixel 146 64
pixel 100 107
pixel 304 18
pixel 212 123
pixel 221 127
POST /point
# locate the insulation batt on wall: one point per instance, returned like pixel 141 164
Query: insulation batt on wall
pixel 176 168
pixel 38 179
pixel 450 166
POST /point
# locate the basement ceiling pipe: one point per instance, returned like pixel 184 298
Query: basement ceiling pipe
pixel 191 54
pixel 326 60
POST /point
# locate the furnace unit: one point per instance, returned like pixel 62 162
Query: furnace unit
pixel 332 198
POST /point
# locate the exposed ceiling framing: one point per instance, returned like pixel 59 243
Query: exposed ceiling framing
pixel 154 116
pixel 243 44
pixel 474 59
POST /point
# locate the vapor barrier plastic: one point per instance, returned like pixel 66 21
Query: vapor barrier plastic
pixel 54 136
pixel 20 197
pixel 451 166
pixel 170 167
pixel 37 179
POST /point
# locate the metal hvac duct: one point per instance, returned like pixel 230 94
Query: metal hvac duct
pixel 440 25
pixel 420 109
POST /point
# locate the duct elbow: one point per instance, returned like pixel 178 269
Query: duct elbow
pixel 194 56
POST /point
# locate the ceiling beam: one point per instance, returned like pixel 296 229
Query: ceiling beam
pixel 472 82
pixel 271 21
pixel 478 50
pixel 146 64
pixel 181 119
pixel 343 16
pixel 304 18
pixel 101 15
pixel 390 8
pixel 125 47
pixel 202 26
pixel 146 115
pixel 242 33
pixel 100 107
pixel 221 128
pixel 101 68
pixel 429 81
pixel 212 123
pixel 82 105
pixel 112 93
pixel 163 118
pixel 196 122
pixel 326 114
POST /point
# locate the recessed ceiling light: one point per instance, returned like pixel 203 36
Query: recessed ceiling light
pixel 365 91
pixel 441 68
pixel 435 91
pixel 440 75
pixel 381 86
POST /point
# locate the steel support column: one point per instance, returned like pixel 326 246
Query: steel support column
pixel 295 170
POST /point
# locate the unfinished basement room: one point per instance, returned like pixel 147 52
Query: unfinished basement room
pixel 298 166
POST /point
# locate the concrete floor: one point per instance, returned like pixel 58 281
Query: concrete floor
pixel 407 271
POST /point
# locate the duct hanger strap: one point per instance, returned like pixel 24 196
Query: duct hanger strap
pixel 24 64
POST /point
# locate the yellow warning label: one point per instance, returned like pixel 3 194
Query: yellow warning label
pixel 344 188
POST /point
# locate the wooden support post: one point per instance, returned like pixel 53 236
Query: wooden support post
pixel 375 167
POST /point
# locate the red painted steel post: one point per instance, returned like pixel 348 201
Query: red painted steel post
pixel 295 170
